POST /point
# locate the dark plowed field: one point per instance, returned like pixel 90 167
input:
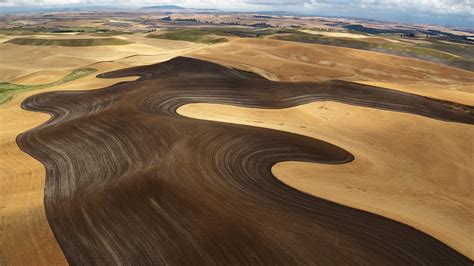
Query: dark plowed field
pixel 129 181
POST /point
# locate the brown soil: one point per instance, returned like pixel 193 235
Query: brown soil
pixel 120 186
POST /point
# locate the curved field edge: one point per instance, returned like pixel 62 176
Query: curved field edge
pixel 164 101
pixel 362 184
pixel 9 90
pixel 28 238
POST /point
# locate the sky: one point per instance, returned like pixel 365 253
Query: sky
pixel 443 12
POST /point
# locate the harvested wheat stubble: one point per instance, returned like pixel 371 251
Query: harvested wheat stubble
pixel 131 181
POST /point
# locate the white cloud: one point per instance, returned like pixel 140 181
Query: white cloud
pixel 453 7
pixel 434 6
pixel 278 2
pixel 431 6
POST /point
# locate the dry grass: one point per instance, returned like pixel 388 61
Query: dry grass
pixel 435 181
pixel 338 34
pixel 21 60
pixel 28 238
pixel 309 62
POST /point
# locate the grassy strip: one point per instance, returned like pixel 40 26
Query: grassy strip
pixel 190 36
pixel 462 50
pixel 68 42
pixel 8 90
pixel 201 35
pixel 94 31
pixel 244 32
pixel 108 33
pixel 24 31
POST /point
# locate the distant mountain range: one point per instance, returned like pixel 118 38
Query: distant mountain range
pixel 91 8
pixel 177 8
pixel 163 7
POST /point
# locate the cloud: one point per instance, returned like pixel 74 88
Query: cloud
pixel 342 7
pixel 278 2
pixel 85 2
pixel 431 6
pixel 434 6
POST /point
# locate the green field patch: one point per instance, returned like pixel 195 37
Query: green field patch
pixel 72 29
pixel 23 31
pixel 108 33
pixel 245 32
pixel 92 31
pixel 68 42
pixel 208 35
pixel 465 51
pixel 189 36
pixel 9 90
